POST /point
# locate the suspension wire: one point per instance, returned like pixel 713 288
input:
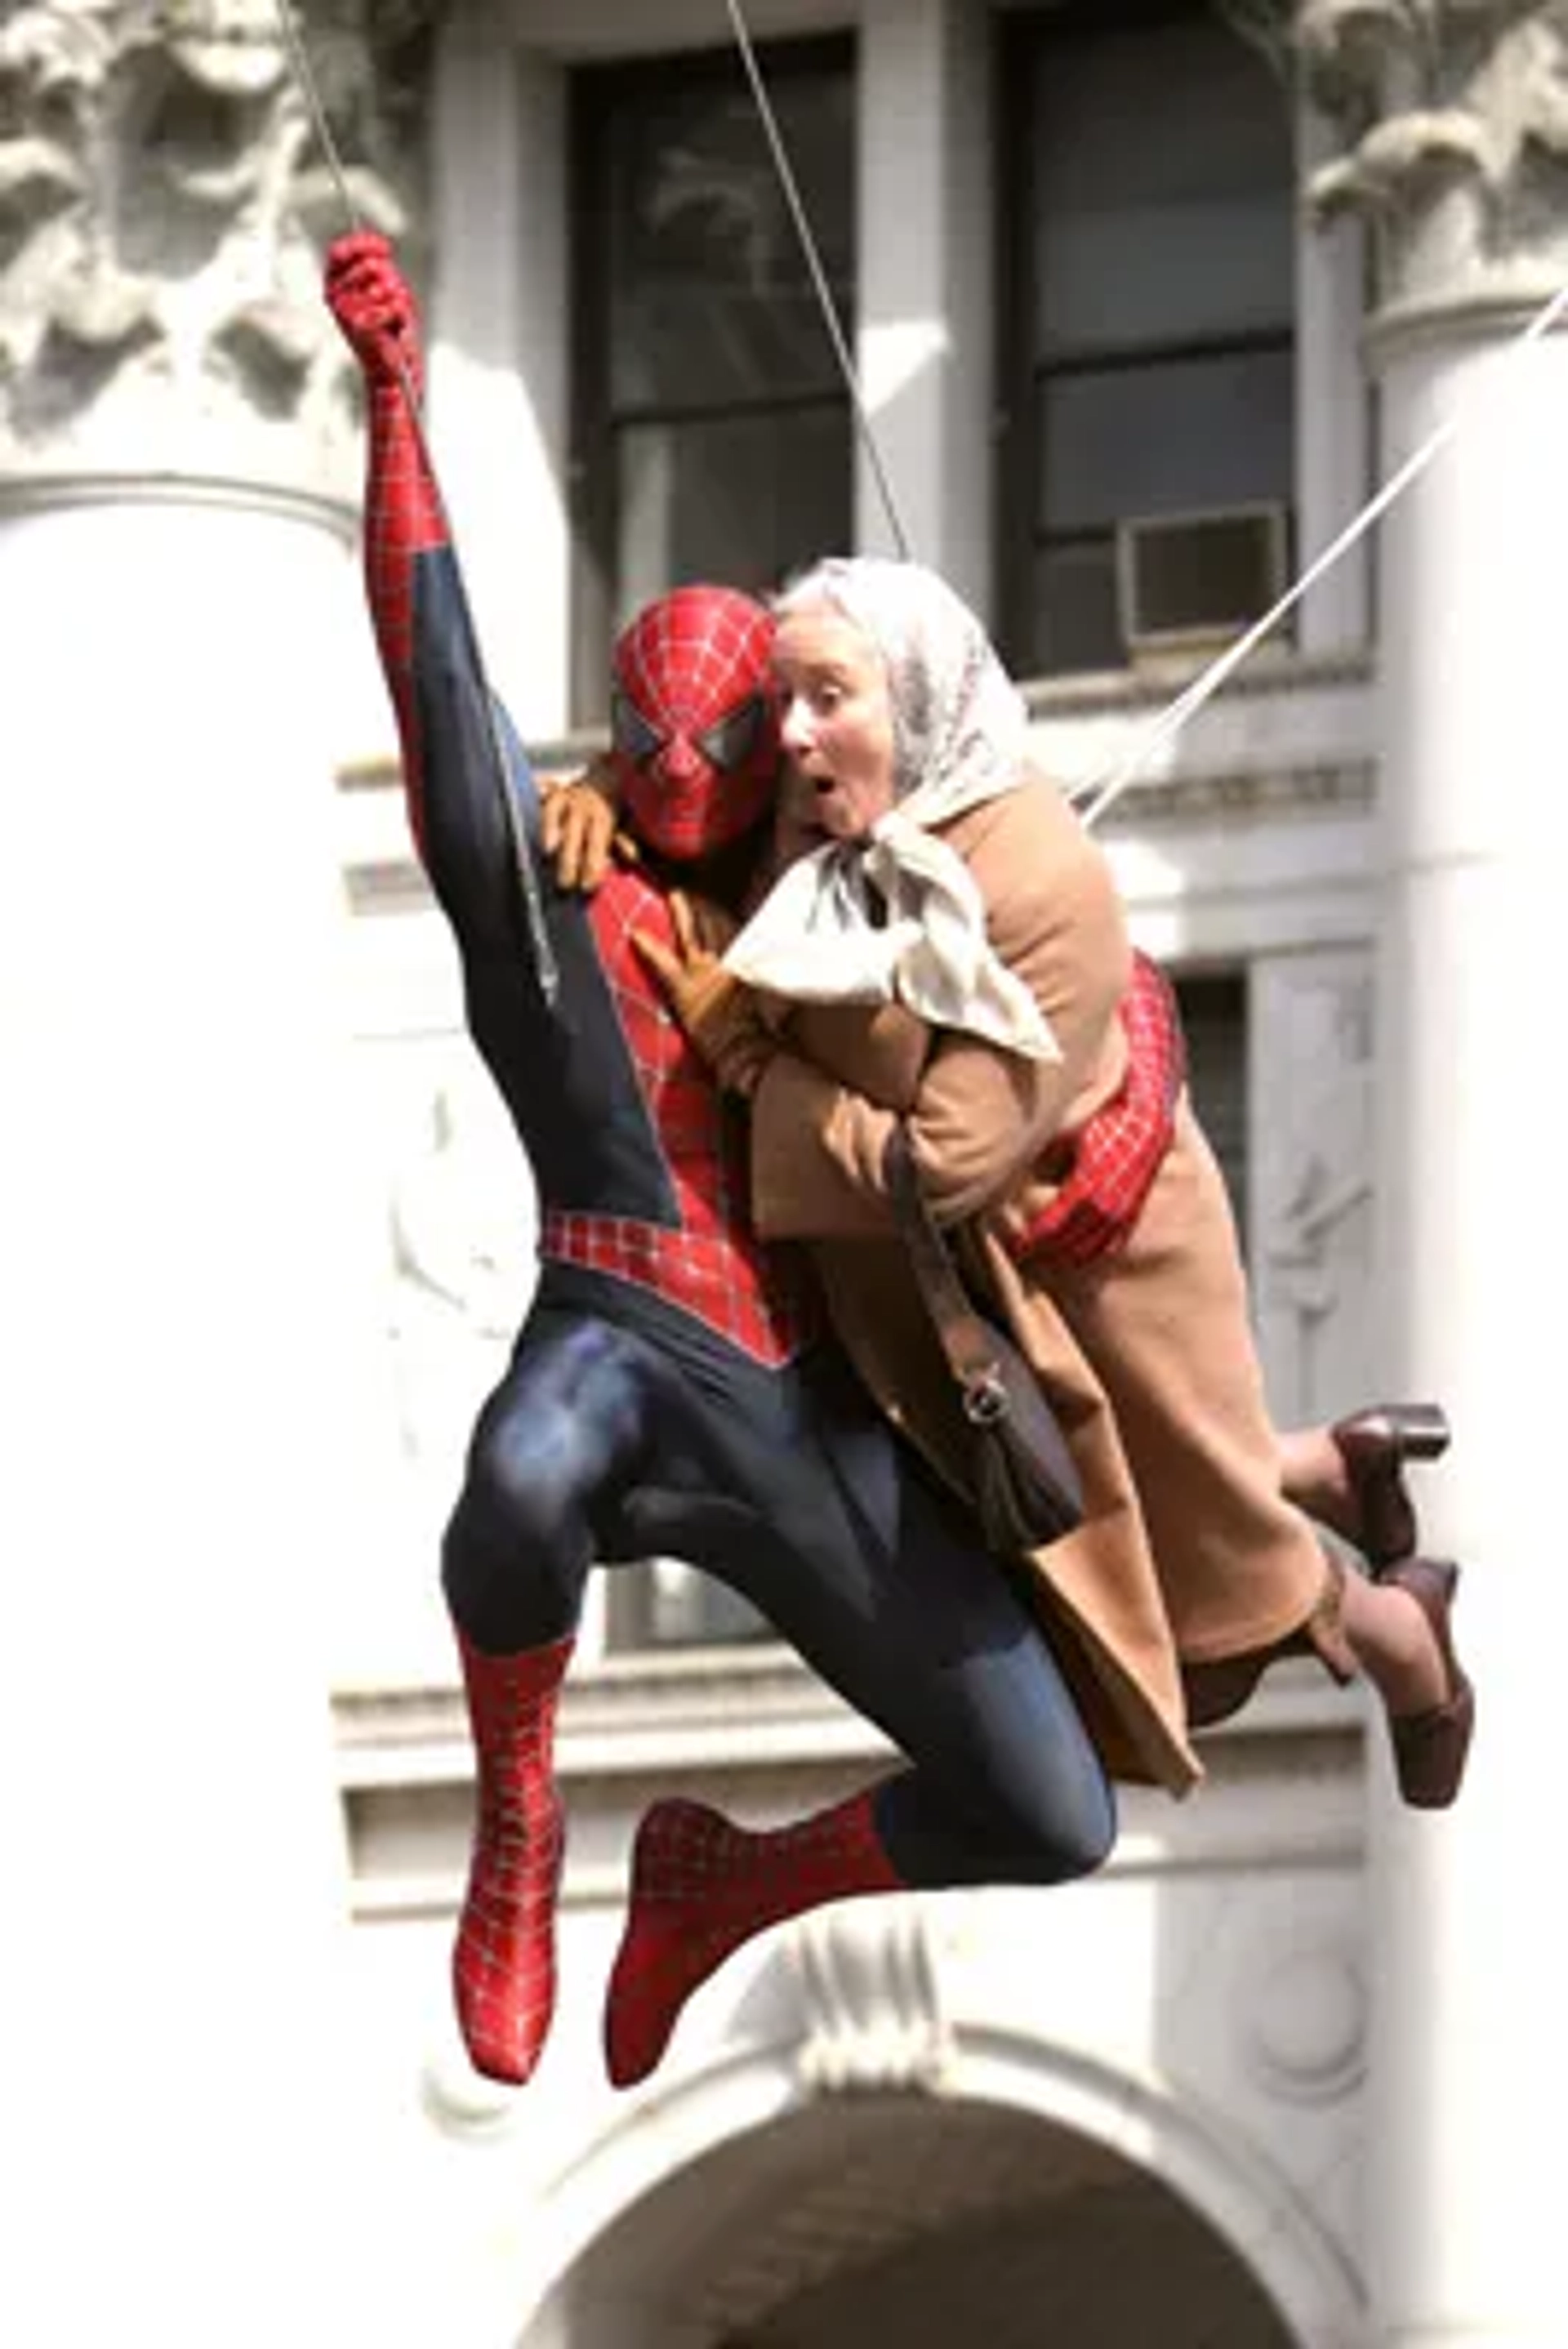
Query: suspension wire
pixel 522 855
pixel 792 198
pixel 299 57
pixel 1103 792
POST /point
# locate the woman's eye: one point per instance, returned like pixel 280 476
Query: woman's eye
pixel 631 732
pixel 732 740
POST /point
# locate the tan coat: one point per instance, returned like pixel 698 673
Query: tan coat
pixel 1189 1552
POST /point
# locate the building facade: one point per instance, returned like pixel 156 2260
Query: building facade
pixel 1142 302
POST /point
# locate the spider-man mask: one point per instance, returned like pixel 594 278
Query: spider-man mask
pixel 693 721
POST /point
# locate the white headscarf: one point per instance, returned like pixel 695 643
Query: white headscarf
pixel 959 728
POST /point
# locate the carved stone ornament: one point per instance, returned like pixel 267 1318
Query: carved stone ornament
pixel 163 208
pixel 873 2015
pixel 1456 117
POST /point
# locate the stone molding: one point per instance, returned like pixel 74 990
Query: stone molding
pixel 162 211
pixel 1302 2022
pixel 1454 115
pixel 393 884
pixel 871 2017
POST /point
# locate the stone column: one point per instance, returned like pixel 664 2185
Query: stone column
pixel 178 1248
pixel 926 312
pixel 1457 150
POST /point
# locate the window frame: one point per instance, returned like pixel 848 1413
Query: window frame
pixel 1020 491
pixel 595 424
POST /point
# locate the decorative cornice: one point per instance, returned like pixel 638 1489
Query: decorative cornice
pixel 43 492
pixel 1455 116
pixel 624 1715
pixel 1274 790
pixel 162 211
pixel 1145 691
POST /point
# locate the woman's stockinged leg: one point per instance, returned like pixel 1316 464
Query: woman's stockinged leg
pixel 566 1424
pixel 922 1634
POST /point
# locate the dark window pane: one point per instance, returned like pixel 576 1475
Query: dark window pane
pixel 1170 436
pixel 744 499
pixel 713 434
pixel 1076 623
pixel 710 296
pixel 1214 1017
pixel 1168 273
pixel 1153 185
pixel 665 1603
pixel 1164 177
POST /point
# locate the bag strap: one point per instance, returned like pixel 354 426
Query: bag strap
pixel 967 1341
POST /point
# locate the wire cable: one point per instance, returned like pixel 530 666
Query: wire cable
pixel 792 198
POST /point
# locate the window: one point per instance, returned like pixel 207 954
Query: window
pixel 1214 1021
pixel 665 1603
pixel 712 430
pixel 1149 200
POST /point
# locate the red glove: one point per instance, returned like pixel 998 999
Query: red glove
pixel 370 298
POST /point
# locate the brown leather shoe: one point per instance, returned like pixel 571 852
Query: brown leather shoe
pixel 1375 1445
pixel 1431 1748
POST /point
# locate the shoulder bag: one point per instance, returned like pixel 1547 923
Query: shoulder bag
pixel 1027 1489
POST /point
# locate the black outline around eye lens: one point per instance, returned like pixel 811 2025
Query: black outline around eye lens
pixel 630 730
pixel 732 740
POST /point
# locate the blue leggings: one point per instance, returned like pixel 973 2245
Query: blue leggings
pixel 611 1441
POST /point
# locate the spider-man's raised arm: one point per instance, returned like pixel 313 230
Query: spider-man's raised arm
pixel 460 757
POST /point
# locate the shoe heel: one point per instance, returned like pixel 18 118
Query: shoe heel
pixel 1419 1430
pixel 1431 1749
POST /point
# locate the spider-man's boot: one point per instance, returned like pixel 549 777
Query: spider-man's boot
pixel 503 1967
pixel 701 1886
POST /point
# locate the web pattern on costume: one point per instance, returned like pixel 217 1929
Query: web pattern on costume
pixel 1119 1151
pixel 692 656
pixel 713 1265
pixel 689 663
pixel 707 1261
pixel 404 519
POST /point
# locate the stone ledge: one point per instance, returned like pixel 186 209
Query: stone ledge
pixel 721 1706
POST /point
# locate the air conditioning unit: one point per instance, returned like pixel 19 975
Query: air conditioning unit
pixel 1194 582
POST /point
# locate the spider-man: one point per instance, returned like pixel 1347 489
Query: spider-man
pixel 672 1390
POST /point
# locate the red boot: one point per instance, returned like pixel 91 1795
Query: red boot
pixel 503 1966
pixel 701 1886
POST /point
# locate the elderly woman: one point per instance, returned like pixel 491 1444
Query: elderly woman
pixel 952 952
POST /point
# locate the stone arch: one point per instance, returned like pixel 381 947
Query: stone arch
pixel 725 2149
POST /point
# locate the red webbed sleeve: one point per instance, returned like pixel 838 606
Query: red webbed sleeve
pixel 403 518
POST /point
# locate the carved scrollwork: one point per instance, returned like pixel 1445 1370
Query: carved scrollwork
pixel 872 2016
pixel 162 207
pixel 1456 120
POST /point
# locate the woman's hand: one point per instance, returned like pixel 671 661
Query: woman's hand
pixel 579 827
pixel 721 1015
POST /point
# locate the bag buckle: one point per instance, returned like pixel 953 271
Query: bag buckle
pixel 985 1397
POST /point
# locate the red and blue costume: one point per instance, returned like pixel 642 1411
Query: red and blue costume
pixel 672 1390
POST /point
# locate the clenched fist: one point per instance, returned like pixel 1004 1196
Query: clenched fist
pixel 371 300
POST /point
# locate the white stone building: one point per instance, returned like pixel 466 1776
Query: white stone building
pixel 1144 300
